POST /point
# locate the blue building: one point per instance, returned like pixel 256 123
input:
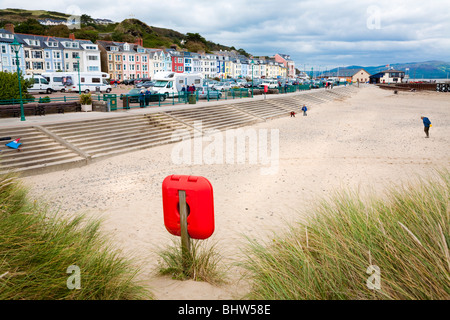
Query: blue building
pixel 7 55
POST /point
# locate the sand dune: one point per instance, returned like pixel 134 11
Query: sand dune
pixel 368 141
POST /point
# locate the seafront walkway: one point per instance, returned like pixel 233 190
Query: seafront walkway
pixel 62 141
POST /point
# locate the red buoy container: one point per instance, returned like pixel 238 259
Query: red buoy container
pixel 200 205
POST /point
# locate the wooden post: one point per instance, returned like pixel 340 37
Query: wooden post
pixel 185 239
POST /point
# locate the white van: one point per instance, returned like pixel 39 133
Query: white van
pixel 40 84
pixel 56 80
pixel 87 82
pixel 271 84
pixel 170 83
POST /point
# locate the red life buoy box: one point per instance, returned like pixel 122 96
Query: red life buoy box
pixel 200 205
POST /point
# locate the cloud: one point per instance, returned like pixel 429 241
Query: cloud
pixel 338 31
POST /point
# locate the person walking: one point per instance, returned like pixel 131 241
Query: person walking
pixel 304 109
pixel 426 125
pixel 147 97
pixel 142 98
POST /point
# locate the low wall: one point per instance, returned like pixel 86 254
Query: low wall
pixel 409 86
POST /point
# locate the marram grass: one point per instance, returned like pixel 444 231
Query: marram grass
pixel 203 263
pixel 405 234
pixel 36 249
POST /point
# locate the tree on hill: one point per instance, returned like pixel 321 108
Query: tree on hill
pixel 61 31
pixel 30 26
pixel 87 33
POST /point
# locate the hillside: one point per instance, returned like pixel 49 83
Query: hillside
pixel 128 30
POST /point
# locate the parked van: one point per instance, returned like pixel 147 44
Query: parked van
pixel 40 84
pixel 55 80
pixel 170 83
pixel 271 84
pixel 87 82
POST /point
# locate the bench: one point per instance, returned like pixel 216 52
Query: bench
pixel 15 109
pixel 60 106
pixel 39 108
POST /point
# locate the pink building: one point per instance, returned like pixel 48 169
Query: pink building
pixel 287 62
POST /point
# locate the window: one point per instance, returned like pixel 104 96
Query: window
pixel 38 65
pixel 57 66
pixel 95 80
pixel 56 55
pixel 91 48
pixel 75 66
pixel 92 58
pixel 180 68
pixel 93 68
pixel 47 55
pixel 75 55
pixel 109 56
pixel 52 44
pixel 3 49
pixel 180 60
pixel 27 54
pixel 47 65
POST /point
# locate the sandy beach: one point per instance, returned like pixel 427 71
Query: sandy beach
pixel 369 141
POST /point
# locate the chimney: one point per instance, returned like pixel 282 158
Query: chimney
pixel 139 42
pixel 9 27
pixel 72 36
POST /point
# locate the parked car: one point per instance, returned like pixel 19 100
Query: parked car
pixel 241 82
pixel 211 93
pixel 145 84
pixel 134 96
pixel 210 83
pixel 111 82
pixel 222 86
pixel 139 80
pixel 128 81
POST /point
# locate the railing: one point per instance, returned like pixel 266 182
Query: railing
pixel 126 101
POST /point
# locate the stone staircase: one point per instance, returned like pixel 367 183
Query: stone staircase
pixel 219 117
pixel 38 152
pixel 106 137
pixel 59 146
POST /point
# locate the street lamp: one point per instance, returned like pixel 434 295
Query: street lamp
pixel 253 63
pixel 79 80
pixel 15 46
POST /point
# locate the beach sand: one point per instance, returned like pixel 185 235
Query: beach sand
pixel 368 142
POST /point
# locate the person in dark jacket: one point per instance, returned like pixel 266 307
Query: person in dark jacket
pixel 427 125
pixel 142 98
pixel 304 109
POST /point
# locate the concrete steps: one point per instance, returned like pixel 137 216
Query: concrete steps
pixel 105 137
pixel 37 151
pixel 217 117
pixel 265 109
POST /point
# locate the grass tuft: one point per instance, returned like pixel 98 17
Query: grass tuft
pixel 37 248
pixel 405 234
pixel 203 263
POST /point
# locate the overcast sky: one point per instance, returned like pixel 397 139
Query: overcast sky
pixel 315 33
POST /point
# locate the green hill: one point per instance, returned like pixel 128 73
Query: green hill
pixel 128 30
